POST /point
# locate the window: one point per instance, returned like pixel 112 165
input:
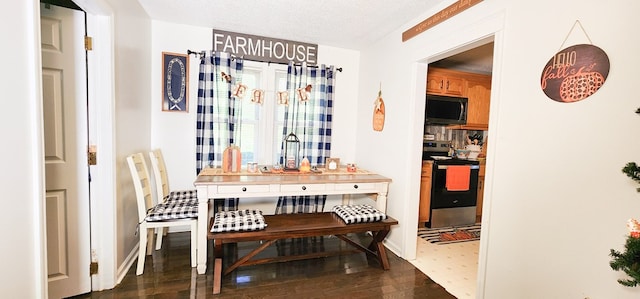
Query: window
pixel 262 124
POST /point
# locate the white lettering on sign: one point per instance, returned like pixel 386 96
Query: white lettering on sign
pixel 265 49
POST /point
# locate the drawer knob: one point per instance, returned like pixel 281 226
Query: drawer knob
pixel 304 187
pixel 244 189
pixel 355 186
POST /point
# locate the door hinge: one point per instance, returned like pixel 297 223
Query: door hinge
pixel 92 155
pixel 93 268
pixel 88 43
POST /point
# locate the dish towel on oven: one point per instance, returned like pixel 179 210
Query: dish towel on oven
pixel 458 177
pixel 235 221
pixel 358 213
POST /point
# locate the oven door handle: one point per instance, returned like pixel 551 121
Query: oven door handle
pixel 446 166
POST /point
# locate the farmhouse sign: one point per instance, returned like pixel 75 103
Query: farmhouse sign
pixel 441 16
pixel 265 49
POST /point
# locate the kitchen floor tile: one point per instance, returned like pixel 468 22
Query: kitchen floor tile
pixel 453 266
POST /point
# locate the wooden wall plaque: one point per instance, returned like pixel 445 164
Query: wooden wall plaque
pixel 575 73
pixel 439 17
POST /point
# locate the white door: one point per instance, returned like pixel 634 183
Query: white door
pixel 65 129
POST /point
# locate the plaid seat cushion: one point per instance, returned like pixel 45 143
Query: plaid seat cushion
pixel 181 195
pixel 241 220
pixel 358 213
pixel 172 210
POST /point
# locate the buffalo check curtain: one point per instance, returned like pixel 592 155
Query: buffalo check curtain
pixel 219 113
pixel 309 116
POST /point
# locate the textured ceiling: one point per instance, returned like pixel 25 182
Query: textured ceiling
pixel 350 24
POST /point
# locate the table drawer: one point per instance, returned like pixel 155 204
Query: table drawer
pixel 303 188
pixel 361 187
pixel 243 189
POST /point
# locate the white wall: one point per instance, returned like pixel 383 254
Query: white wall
pixel 132 40
pixel 22 254
pixel 555 199
pixel 175 132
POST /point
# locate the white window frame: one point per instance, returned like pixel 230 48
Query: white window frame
pixel 269 129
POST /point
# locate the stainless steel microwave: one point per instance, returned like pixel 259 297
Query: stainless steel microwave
pixel 446 110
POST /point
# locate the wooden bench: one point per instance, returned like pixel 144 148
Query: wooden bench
pixel 298 226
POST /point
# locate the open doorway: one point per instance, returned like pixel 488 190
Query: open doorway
pixel 444 254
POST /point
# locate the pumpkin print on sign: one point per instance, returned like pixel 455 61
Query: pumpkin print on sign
pixel 575 73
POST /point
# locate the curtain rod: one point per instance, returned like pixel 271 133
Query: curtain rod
pixel 201 54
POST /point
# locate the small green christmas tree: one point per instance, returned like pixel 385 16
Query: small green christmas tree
pixel 633 171
pixel 629 260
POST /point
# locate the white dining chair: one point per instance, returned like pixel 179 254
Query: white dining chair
pixel 163 191
pixel 161 215
pixel 164 194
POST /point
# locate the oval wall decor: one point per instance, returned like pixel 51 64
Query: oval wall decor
pixel 575 73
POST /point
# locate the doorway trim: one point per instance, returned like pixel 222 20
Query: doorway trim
pixel 473 35
pixel 100 73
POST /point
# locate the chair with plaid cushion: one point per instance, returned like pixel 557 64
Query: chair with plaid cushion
pixel 163 193
pixel 161 215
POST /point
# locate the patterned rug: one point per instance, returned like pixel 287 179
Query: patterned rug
pixel 451 234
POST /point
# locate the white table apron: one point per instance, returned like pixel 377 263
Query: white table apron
pixel 273 185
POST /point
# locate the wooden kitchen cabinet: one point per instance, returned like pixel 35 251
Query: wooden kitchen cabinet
pixel 479 94
pixel 425 192
pixel 445 82
pixel 475 87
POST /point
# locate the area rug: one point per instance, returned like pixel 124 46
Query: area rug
pixel 451 234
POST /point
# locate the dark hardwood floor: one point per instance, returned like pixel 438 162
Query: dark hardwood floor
pixel 167 274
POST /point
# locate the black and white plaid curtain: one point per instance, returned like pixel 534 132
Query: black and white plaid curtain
pixel 219 114
pixel 311 121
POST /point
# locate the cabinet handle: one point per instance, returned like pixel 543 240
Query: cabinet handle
pixel 304 187
pixel 447 84
pixel 355 186
pixel 244 189
pixel 441 83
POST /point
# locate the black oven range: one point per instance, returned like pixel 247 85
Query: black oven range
pixel 453 203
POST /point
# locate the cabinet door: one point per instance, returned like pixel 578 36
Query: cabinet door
pixel 425 192
pixel 479 94
pixel 443 82
pixel 454 86
pixel 435 83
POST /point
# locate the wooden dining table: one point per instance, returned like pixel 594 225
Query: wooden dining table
pixel 213 183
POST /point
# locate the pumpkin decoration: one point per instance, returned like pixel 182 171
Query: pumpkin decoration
pixel 231 159
pixel 378 112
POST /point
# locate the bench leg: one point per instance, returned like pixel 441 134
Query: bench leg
pixel 217 275
pixel 249 255
pixel 377 246
pixel 217 266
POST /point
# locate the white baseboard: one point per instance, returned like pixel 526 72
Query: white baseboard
pixel 126 265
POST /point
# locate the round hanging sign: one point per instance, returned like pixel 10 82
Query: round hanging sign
pixel 575 73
